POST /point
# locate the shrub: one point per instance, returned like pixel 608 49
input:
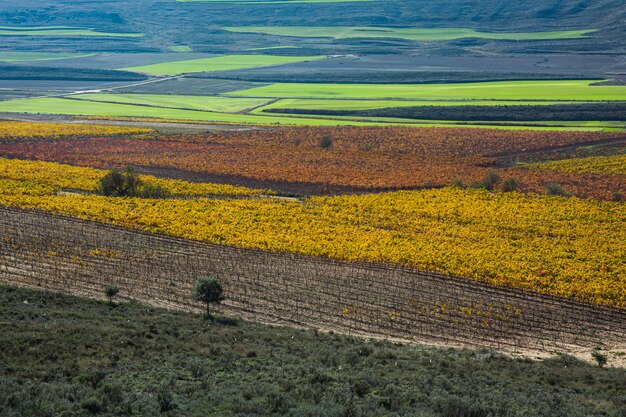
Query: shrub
pixel 153 191
pixel 111 291
pixel 326 142
pixel 556 189
pixel 510 184
pixel 459 183
pixel 491 180
pixel 599 357
pixel 165 399
pixel 618 197
pixel 208 290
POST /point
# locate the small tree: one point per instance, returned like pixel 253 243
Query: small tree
pixel 111 291
pixel 600 358
pixel 119 184
pixel 208 290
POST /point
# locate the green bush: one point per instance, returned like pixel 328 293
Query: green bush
pixel 459 183
pixel 491 180
pixel 326 142
pixel 556 190
pixel 599 357
pixel 510 184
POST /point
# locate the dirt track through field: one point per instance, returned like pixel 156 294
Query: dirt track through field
pixel 46 251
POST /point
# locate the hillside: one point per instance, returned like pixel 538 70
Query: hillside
pixel 129 359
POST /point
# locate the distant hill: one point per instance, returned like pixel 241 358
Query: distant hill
pixel 168 23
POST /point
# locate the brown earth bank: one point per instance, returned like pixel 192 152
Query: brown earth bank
pixel 46 251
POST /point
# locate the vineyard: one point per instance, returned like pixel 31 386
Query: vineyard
pixel 354 159
pixel 555 245
pixel 13 130
pixel 613 164
pixel 41 178
pixel 52 252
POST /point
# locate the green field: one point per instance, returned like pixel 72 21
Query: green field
pixel 219 63
pixel 269 48
pixel 501 90
pixel 37 56
pixel 204 103
pixel 74 107
pixel 316 104
pixel 60 31
pixel 180 48
pixel 90 108
pixel 413 34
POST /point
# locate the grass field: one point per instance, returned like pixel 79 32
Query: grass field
pixel 413 34
pixel 219 63
pixel 501 90
pixel 37 56
pixel 204 103
pixel 60 31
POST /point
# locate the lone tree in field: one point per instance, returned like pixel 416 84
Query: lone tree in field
pixel 208 290
pixel 111 291
pixel 119 184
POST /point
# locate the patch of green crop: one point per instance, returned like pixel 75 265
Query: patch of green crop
pixel 413 34
pixel 180 48
pixel 90 108
pixel 566 90
pixel 204 103
pixel 220 63
pixel 37 56
pixel 316 104
pixel 81 107
pixel 269 48
pixel 60 31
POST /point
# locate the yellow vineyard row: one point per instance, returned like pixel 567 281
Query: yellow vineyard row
pixel 614 164
pixel 41 178
pixel 27 130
